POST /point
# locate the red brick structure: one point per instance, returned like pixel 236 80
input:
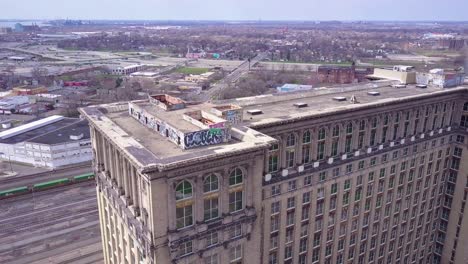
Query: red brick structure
pixel 341 74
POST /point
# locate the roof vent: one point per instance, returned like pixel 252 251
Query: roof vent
pixel 76 137
pixel 255 112
pixel 399 86
pixel 339 98
pixel 421 86
pixel 373 93
pixel 300 105
pixel 354 99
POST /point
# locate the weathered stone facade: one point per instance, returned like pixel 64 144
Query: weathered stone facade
pixel 383 181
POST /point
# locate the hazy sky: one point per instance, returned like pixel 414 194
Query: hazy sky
pixel 237 9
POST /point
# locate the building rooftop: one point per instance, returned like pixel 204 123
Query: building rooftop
pixel 277 108
pixel 46 131
pixel 78 130
pixel 151 148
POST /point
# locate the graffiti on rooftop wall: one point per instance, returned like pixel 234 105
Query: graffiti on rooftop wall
pixel 215 131
pixel 217 125
pixel 173 135
pixel 233 116
pixel 204 138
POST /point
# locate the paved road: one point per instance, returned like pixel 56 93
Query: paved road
pixel 234 76
pixel 60 225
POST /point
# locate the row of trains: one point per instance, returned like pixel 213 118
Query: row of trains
pixel 46 185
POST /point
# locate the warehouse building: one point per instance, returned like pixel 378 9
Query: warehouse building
pixel 50 142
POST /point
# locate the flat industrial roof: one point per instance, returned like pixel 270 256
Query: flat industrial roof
pixel 62 135
pixel 44 134
pixel 280 107
pixel 30 126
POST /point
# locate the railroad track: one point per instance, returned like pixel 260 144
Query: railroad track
pixel 47 192
pixel 10 229
pixel 45 173
pixel 58 210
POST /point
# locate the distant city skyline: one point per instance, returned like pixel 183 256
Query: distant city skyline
pixel 375 10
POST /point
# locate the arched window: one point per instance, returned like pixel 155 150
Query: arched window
pixel 306 137
pixel 183 190
pixel 374 122
pixel 291 140
pixel 236 177
pixel 336 131
pixel 210 184
pixel 387 118
pixel 349 128
pixel 362 125
pixel 321 134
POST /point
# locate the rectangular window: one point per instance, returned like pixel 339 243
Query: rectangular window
pixel 334 188
pixel 211 208
pixel 346 198
pixel 320 150
pixel 292 185
pixel 384 134
pixel 185 248
pixel 235 201
pixel 348 144
pixel 347 184
pixel 275 207
pixel 361 165
pixel 334 151
pixel 357 194
pixel 361 140
pixel 212 239
pixel 291 202
pixel 307 180
pixel 306 154
pixel 322 176
pixel 306 198
pixel 290 218
pixel 235 254
pixel 235 231
pixel 275 190
pixel 184 216
pixel 289 158
pixel 336 172
pixel 273 162
pixel 372 137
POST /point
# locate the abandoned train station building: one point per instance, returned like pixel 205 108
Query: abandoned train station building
pixel 367 174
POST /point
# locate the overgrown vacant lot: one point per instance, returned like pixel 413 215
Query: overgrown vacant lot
pixel 189 70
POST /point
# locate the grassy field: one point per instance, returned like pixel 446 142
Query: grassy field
pixel 189 70
pixel 345 63
pixel 437 53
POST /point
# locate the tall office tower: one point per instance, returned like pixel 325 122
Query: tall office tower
pixel 370 174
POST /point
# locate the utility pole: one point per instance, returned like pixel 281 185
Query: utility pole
pixel 9 160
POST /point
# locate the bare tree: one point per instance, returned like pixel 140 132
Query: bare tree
pixel 39 73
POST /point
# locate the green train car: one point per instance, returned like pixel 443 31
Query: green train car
pixel 14 191
pixel 49 184
pixel 46 185
pixel 84 177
